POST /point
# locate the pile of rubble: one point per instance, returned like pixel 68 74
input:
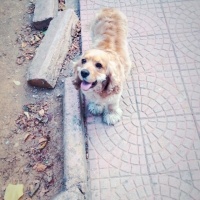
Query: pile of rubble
pixel 55 36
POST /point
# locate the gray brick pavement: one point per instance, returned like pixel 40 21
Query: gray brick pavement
pixel 154 152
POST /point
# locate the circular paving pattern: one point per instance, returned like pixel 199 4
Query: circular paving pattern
pixel 191 81
pixel 143 21
pixel 158 97
pixel 183 20
pixel 188 44
pixel 120 145
pixel 165 138
pixel 163 187
pixel 150 52
pixel 195 99
pixel 183 17
pixel 167 141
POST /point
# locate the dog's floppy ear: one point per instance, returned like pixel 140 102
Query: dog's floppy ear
pixel 76 80
pixel 114 78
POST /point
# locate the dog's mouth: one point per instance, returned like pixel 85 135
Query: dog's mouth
pixel 86 85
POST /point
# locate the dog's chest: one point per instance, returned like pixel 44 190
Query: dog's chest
pixel 96 98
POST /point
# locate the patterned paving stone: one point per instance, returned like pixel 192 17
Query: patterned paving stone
pixel 163 186
pixel 137 187
pixel 187 47
pixel 160 94
pixel 172 187
pixel 96 4
pixel 145 20
pixel 191 80
pixel 152 54
pixel 183 16
pixel 154 151
pixel 119 146
pixel 127 187
pixel 169 142
pixel 197 117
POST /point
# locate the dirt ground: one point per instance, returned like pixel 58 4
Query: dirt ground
pixel 31 151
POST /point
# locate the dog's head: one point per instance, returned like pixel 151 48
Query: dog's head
pixel 99 71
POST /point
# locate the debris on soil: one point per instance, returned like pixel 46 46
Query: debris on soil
pixel 34 121
pixel 34 188
pixel 31 8
pixel 29 39
pixel 74 50
pixel 20 60
pixel 42 143
pixel 41 112
pixel 48 177
pixel 27 115
pixel 43 192
pixel 61 5
pixel 39 167
pixel 13 192
pixel 31 150
pixel 35 126
pixel 27 136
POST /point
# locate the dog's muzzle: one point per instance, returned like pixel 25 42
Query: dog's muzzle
pixel 85 73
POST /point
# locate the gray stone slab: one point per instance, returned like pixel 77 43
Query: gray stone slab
pixel 75 166
pixel 45 67
pixel 44 12
pixel 73 4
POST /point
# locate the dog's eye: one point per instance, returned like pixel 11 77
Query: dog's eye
pixel 99 65
pixel 83 61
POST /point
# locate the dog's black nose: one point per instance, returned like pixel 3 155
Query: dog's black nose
pixel 85 73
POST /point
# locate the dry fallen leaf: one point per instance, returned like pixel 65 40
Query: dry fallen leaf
pixel 20 60
pixel 48 176
pixel 35 39
pixel 34 188
pixel 13 192
pixel 39 167
pixel 41 112
pixel 26 137
pixel 41 35
pixel 27 115
pixel 41 140
pixel 42 143
pixel 61 6
pixel 24 44
pixel 16 82
pixel 31 8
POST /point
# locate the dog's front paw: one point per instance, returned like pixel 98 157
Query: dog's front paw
pixel 95 109
pixel 113 117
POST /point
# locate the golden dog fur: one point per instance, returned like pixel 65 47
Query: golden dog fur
pixel 100 72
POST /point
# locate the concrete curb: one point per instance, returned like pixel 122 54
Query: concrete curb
pixel 44 12
pixel 45 67
pixel 75 165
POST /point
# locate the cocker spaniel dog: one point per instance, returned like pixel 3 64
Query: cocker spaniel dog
pixel 100 72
